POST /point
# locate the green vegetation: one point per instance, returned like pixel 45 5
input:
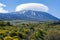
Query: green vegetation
pixel 30 31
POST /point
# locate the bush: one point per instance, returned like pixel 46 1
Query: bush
pixel 53 35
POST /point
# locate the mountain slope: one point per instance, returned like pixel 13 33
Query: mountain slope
pixel 28 15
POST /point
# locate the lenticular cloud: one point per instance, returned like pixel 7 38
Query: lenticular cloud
pixel 32 6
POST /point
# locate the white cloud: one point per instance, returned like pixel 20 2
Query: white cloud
pixel 2 10
pixel 32 6
pixel 2 5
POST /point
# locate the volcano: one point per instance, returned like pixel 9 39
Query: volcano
pixel 28 15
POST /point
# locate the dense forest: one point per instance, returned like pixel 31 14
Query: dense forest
pixel 30 31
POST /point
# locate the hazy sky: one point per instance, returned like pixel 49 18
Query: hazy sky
pixel 54 5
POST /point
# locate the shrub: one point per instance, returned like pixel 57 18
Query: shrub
pixel 53 35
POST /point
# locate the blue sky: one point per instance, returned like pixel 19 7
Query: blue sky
pixel 54 5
